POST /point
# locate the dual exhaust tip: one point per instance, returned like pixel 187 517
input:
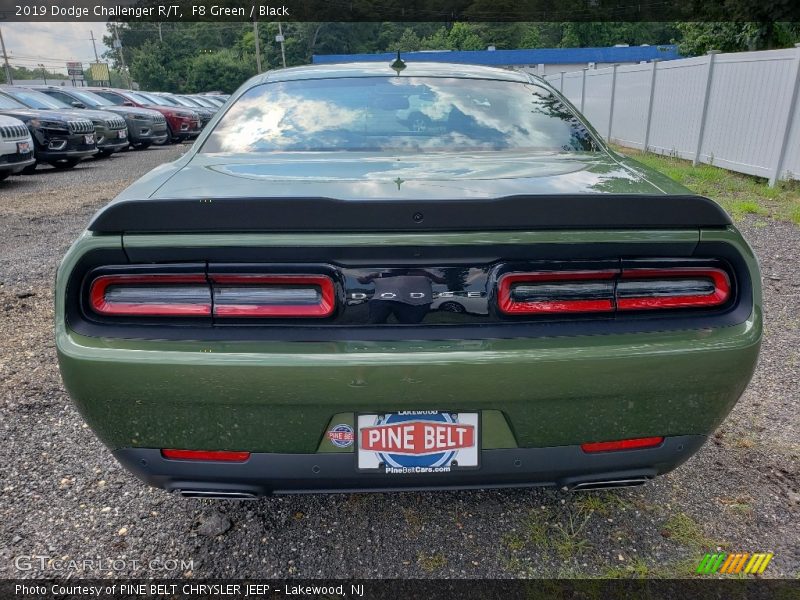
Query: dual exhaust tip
pixel 609 484
pixel 218 494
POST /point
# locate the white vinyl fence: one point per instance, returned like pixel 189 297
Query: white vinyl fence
pixel 738 111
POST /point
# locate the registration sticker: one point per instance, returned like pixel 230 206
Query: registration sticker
pixel 410 442
pixel 23 147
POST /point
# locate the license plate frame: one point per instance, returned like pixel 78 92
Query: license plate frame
pixel 24 148
pixel 88 138
pixel 429 461
pixel 122 134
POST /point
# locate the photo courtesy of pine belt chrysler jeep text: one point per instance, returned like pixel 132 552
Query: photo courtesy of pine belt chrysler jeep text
pixel 426 276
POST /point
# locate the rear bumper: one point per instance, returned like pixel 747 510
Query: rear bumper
pixel 264 473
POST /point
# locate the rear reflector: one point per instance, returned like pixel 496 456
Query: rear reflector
pixel 632 444
pixel 652 289
pixel 163 295
pixel 556 292
pixel 284 296
pixel 206 455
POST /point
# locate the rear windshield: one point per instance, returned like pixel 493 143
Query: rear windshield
pixel 390 114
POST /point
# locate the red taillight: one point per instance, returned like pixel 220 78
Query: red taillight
pixel 650 289
pixel 223 295
pixel 162 295
pixel 605 291
pixel 284 296
pixel 632 444
pixel 556 292
pixel 206 455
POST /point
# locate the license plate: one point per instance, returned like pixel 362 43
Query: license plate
pixel 23 147
pixel 122 134
pixel 413 442
pixel 88 138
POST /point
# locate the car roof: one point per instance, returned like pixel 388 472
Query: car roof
pixel 413 69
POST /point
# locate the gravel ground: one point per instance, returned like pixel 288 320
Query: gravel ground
pixel 63 496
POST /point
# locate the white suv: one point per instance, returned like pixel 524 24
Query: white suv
pixel 16 146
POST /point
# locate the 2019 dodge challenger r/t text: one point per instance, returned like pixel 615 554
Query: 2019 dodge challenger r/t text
pixel 436 276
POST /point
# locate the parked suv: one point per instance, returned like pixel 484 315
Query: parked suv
pixel 145 127
pixel 16 146
pixel 111 133
pixel 204 112
pixel 182 123
pixel 59 137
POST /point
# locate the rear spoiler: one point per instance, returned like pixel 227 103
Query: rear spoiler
pixel 569 211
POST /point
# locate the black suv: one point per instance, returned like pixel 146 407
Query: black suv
pixel 110 130
pixel 59 138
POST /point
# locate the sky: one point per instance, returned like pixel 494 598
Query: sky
pixel 52 44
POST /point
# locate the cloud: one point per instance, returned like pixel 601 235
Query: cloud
pixel 52 44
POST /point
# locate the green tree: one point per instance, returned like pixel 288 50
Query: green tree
pixel 408 42
pixel 223 70
pixel 699 38
pixel 149 68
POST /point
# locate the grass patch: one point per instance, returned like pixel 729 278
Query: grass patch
pixel 739 194
pixel 639 569
pixel 562 534
pixel 513 542
pixel 685 530
pixel 567 540
pixel 431 562
pixel 603 503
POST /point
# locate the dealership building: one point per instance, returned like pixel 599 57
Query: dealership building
pixel 540 61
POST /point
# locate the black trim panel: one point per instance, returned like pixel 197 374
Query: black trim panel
pixel 737 311
pixel 568 211
pixel 267 473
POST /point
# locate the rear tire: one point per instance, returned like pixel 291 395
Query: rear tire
pixel 4 175
pixel 65 163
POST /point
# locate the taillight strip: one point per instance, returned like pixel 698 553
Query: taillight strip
pixel 100 304
pixel 507 304
pixel 323 307
pixel 720 294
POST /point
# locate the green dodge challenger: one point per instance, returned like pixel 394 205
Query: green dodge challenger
pixel 427 276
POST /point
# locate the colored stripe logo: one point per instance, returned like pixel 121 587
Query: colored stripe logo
pixel 731 564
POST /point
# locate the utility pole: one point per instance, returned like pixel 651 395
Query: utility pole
pixel 160 37
pixel 280 39
pixel 97 60
pixel 118 46
pixel 258 47
pixel 9 79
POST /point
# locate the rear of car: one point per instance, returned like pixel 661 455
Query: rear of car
pixel 365 281
pixel 16 147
